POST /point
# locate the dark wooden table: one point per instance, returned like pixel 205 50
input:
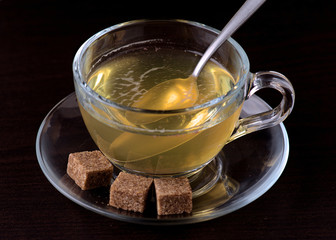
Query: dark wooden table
pixel 38 40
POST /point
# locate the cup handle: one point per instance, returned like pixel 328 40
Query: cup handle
pixel 261 80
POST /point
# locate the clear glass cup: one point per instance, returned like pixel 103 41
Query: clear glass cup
pixel 187 139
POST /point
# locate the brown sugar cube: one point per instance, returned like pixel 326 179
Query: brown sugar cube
pixel 129 192
pixel 89 169
pixel 173 195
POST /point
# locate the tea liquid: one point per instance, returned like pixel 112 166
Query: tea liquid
pixel 124 78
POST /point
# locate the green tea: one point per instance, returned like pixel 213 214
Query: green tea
pixel 158 144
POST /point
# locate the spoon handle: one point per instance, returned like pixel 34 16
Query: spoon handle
pixel 245 11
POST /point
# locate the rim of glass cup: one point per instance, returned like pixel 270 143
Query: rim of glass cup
pixel 80 80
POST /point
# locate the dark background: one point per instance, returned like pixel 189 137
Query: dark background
pixel 38 40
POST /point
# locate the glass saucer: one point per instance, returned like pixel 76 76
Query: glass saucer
pixel 256 161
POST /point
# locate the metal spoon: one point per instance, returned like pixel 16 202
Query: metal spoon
pixel 183 92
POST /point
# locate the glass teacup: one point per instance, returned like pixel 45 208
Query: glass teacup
pixel 155 141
